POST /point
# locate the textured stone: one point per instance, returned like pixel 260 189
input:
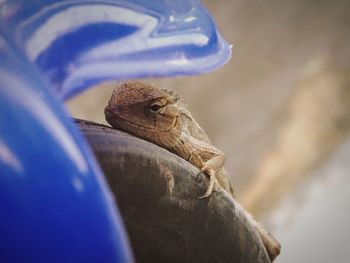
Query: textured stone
pixel 157 194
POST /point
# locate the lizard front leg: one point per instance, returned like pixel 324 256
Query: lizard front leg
pixel 210 168
pixel 208 159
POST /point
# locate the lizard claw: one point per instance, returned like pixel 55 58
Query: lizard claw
pixel 210 188
pixel 205 195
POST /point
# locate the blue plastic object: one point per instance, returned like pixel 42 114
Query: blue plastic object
pixel 54 202
pixel 80 43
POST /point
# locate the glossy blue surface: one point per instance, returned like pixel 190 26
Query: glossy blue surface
pixel 54 203
pixel 80 43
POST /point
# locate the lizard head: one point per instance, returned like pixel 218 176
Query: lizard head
pixel 142 110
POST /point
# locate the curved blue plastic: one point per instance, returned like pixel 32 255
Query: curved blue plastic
pixel 54 202
pixel 80 43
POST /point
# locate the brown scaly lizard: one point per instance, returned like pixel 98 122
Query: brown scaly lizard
pixel 160 116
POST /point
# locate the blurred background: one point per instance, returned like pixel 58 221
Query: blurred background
pixel 280 110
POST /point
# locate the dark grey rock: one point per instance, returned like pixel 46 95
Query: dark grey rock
pixel 157 194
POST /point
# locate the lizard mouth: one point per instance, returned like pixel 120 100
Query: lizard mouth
pixel 119 122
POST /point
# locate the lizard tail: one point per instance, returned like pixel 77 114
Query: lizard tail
pixel 272 246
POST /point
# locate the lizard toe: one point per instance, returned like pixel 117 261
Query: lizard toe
pixel 210 187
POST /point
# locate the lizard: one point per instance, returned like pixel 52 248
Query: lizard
pixel 161 117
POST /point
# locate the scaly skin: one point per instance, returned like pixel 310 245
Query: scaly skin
pixel 161 117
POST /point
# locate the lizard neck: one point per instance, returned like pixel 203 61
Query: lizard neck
pixel 183 147
pixel 168 139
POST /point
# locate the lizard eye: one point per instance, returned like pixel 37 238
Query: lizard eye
pixel 155 107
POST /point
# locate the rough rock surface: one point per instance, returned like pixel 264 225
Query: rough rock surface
pixel 157 194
